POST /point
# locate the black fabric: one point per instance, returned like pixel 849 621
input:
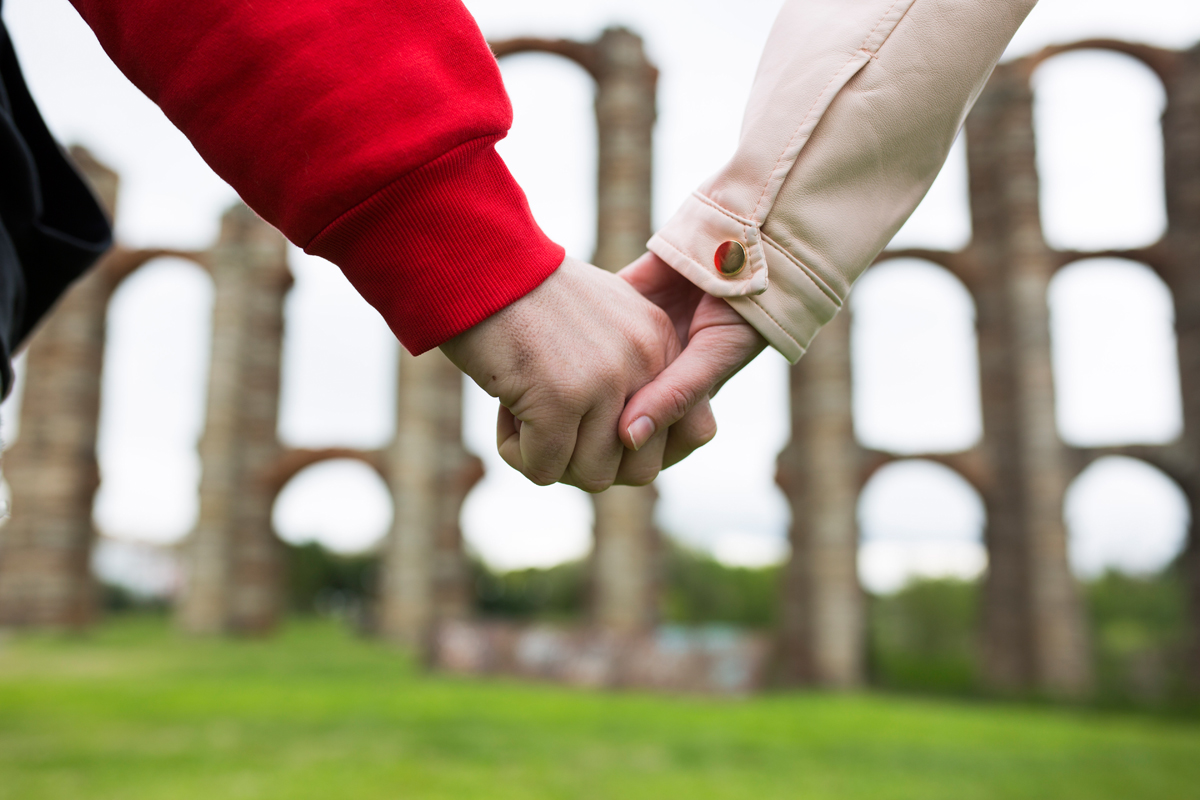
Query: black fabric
pixel 51 226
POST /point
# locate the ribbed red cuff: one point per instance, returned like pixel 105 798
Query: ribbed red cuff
pixel 443 247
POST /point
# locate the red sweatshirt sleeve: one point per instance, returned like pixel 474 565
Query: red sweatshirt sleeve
pixel 363 129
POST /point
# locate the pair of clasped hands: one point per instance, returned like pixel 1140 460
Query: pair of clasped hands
pixel 605 378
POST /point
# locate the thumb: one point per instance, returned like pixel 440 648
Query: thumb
pixel 712 356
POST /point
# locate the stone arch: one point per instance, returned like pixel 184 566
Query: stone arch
pixel 153 378
pixel 971 509
pixel 122 262
pixel 922 555
pixel 1034 629
pixel 106 278
pixel 625 112
pixel 304 466
pixel 553 96
pixel 292 462
pixel 562 519
pixel 45 577
pixel 44 567
pixel 956 263
pixel 1164 63
pixel 1110 196
pixel 1115 353
pixel 1131 525
pixel 967 464
pixel 925 361
pixel 1170 491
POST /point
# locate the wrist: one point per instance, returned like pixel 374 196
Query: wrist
pixel 442 248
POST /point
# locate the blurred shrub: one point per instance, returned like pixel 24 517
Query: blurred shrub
pixel 700 589
pixel 1139 631
pixel 320 581
pixel 923 637
pixel 551 593
pixel 697 589
pixel 115 599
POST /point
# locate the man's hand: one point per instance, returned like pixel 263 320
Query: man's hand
pixel 718 343
pixel 563 360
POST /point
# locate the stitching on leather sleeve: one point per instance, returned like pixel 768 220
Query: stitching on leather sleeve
pixel 777 324
pixel 886 14
pixel 796 132
pixel 862 48
pixel 688 256
pixel 809 273
pixel 718 207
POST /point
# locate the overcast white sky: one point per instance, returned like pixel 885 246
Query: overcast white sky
pixel 915 358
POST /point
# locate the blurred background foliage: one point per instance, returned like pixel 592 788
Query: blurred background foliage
pixel 550 594
pixel 921 639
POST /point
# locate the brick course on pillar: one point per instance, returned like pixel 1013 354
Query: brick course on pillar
pixel 233 563
pixel 625 558
pixel 1178 262
pixel 424 578
pixel 822 614
pixel 1033 620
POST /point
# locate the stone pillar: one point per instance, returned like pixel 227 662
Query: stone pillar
pixel 625 560
pixel 45 548
pixel 424 577
pixel 624 594
pixel 233 560
pixel 625 111
pixel 1181 257
pixel 1034 628
pixel 822 620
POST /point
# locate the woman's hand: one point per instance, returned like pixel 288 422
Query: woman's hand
pixel 717 343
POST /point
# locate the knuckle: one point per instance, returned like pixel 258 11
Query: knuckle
pixel 641 477
pixel 595 485
pixel 610 362
pixel 687 441
pixel 566 395
pixel 704 434
pixel 661 322
pixel 677 401
pixel 662 343
pixel 589 483
pixel 542 477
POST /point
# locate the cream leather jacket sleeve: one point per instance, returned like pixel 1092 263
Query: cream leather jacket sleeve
pixel 851 116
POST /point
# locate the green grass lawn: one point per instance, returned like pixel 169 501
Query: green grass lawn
pixel 135 712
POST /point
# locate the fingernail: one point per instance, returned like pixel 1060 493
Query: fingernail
pixel 640 431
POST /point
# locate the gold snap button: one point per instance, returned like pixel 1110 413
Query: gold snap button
pixel 730 258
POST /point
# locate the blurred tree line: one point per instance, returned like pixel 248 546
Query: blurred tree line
pixel 923 638
pixel 926 637
pixel 697 588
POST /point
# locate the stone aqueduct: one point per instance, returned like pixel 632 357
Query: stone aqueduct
pixel 1033 631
